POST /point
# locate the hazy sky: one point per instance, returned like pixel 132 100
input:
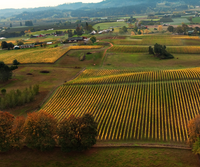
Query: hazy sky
pixel 38 3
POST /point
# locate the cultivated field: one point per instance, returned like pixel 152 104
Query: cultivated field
pixel 39 55
pixel 130 104
pixel 109 24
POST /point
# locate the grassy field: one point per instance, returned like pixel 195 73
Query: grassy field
pixel 146 61
pixel 47 82
pixel 109 24
pixel 179 21
pixel 73 59
pixel 196 20
pixel 98 157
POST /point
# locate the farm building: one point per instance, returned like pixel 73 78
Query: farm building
pixel 76 39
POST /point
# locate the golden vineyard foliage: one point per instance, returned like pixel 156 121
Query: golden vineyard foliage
pixel 39 55
pixel 131 76
pixel 158 107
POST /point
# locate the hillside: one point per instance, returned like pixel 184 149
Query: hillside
pixel 118 7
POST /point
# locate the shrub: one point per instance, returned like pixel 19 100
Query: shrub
pixel 40 130
pixel 15 62
pixel 6 123
pixel 3 91
pixel 93 39
pixel 196 146
pixel 82 56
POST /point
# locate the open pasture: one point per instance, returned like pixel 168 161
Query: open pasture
pixel 72 58
pixel 109 24
pixel 144 61
pixel 179 21
pixel 38 55
pixel 170 49
pixel 131 105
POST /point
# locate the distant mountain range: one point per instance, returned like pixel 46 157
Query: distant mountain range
pixel 105 4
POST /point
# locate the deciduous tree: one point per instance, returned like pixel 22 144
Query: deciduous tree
pixel 40 130
pixel 18 136
pixel 6 123
pixel 194 130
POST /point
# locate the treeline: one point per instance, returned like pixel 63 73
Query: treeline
pixel 43 132
pixel 41 15
pixel 136 9
pixel 17 97
pixel 6 72
pixel 12 34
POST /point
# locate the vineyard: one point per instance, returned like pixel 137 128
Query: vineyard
pixel 149 105
pixel 174 49
pixel 39 55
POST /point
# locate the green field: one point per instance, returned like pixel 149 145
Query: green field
pixel 196 20
pixel 179 21
pixel 146 61
pixel 98 157
pixel 109 24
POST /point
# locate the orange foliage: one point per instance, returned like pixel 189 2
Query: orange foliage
pixel 6 123
pixel 18 135
pixel 40 130
pixel 194 129
pixel 132 33
pixel 160 28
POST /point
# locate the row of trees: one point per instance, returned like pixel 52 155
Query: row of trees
pixel 80 30
pixel 184 28
pixel 18 98
pixel 5 45
pixel 41 131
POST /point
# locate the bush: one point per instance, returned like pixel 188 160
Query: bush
pixel 93 39
pixel 196 146
pixel 15 62
pixel 40 130
pixel 82 56
pixel 3 91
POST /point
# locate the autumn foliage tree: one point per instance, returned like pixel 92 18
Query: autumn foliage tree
pixel 6 124
pixel 194 130
pixel 40 130
pixel 77 134
pixel 18 135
